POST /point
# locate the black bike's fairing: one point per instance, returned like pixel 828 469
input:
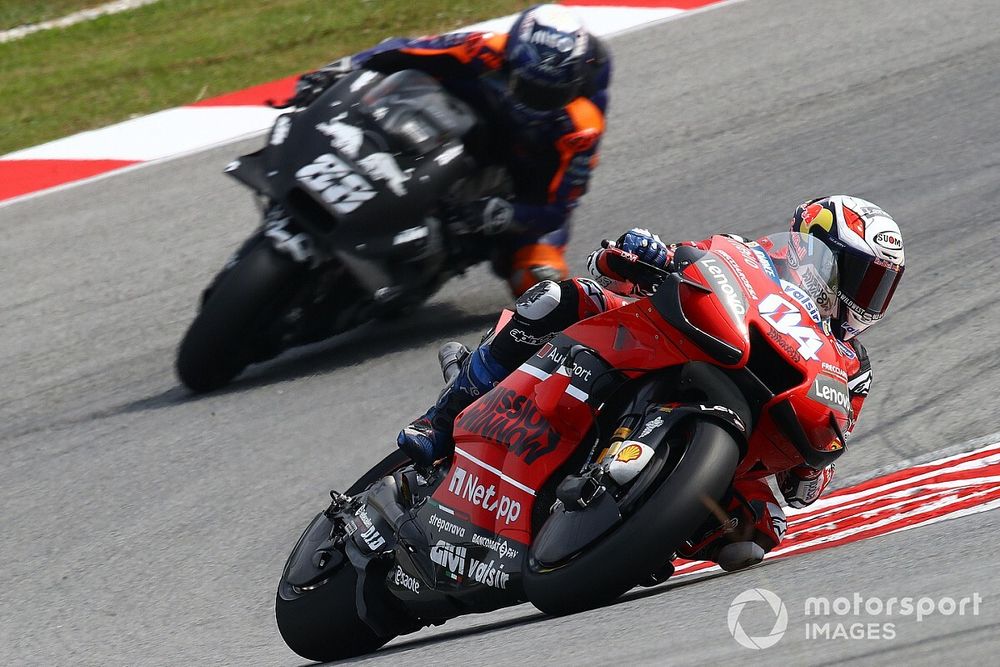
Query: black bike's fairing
pixel 363 192
pixel 360 166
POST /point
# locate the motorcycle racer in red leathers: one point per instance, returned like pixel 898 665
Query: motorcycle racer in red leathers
pixel 543 88
pixel 868 247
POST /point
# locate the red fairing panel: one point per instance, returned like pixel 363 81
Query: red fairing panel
pixel 510 441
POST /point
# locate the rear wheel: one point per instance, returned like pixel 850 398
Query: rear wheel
pixel 221 341
pixel 639 545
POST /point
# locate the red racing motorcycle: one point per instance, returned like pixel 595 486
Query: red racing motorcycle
pixel 589 467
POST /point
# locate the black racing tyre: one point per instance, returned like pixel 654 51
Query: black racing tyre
pixel 639 545
pixel 389 464
pixel 322 623
pixel 219 343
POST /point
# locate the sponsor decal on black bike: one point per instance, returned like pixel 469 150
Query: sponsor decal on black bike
pixel 459 566
pixel 404 579
pixel 336 182
pixel 446 526
pixel 370 535
pixel 508 418
pixel 503 549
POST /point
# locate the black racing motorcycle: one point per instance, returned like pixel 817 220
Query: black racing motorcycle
pixel 361 194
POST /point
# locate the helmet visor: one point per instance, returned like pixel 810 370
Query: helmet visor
pixel 869 283
pixel 541 97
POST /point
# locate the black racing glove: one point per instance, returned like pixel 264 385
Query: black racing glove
pixel 312 84
pixel 620 265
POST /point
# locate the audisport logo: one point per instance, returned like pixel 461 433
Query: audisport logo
pixel 763 603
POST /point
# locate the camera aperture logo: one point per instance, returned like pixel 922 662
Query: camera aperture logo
pixel 842 618
pixel 760 601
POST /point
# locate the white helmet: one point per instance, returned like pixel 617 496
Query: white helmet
pixel 869 250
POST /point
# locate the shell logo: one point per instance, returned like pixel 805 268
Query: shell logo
pixel 630 453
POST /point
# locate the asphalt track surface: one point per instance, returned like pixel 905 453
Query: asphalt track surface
pixel 141 526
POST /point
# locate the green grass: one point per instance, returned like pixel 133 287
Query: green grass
pixel 58 82
pixel 14 13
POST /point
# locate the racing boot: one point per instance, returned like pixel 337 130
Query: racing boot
pixel 741 531
pixel 429 437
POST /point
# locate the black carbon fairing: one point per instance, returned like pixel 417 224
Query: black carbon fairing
pixel 361 166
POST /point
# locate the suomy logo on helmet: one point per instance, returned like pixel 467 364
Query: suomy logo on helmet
pixel 889 240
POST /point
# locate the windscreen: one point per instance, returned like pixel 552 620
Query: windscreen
pixel 413 108
pixel 807 262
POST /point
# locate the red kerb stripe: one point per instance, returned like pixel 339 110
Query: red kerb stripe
pixel 19 177
pixel 279 91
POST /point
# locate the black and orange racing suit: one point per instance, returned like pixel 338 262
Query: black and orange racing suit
pixel 549 161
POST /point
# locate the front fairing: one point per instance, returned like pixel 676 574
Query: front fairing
pixel 361 166
pixel 762 304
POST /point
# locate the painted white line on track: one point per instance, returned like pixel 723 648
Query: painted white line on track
pixel 72 19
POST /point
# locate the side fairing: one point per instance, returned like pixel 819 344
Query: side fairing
pixel 360 166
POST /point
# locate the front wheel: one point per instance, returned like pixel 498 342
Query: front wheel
pixel 646 537
pixel 321 622
pixel 220 342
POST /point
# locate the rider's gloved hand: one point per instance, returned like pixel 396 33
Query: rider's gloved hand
pixel 802 485
pixel 646 246
pixel 311 84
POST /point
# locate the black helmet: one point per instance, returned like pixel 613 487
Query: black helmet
pixel 546 50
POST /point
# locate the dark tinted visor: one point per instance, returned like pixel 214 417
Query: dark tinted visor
pixel 542 97
pixel 869 282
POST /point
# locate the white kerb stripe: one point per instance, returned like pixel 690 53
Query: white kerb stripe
pixel 487 466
